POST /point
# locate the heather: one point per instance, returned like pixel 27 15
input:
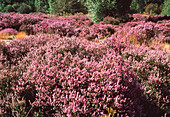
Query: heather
pixel 70 66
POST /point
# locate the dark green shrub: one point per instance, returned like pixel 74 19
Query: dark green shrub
pixel 24 8
pixel 15 6
pixel 41 6
pixel 9 8
pixel 99 9
pixel 152 9
pixel 2 5
pixel 61 7
pixel 138 6
pixel 20 8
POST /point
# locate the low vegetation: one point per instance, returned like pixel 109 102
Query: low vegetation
pixel 70 66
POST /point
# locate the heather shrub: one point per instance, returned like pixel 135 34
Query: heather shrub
pixel 17 49
pixel 10 20
pixel 74 79
pixel 139 17
pixel 82 68
pixel 11 57
pixel 147 33
pixel 28 23
pixel 10 31
pixel 152 69
pixel 97 31
pixel 110 20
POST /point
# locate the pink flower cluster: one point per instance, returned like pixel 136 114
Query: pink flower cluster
pixel 77 25
pixel 62 73
pixel 9 31
pixel 145 32
pixel 152 69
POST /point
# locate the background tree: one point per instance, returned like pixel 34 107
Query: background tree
pixel 138 6
pixel 99 9
pixel 24 8
pixel 166 8
pixel 66 6
pixel 2 5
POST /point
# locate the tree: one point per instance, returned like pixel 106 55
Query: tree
pixel 99 9
pixel 139 5
pixel 24 8
pixel 37 5
pixel 9 8
pixel 2 5
pixel 166 8
pixel 66 6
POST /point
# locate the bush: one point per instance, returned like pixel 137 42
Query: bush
pixel 110 20
pixel 64 75
pixel 2 6
pixel 24 8
pixel 99 9
pixel 152 69
pixel 16 6
pixel 62 7
pixel 138 6
pixel 9 8
pixel 20 8
pixel 71 77
pixel 10 31
pixel 152 9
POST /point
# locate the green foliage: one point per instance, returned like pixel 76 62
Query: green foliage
pixel 20 8
pixel 50 6
pixel 8 8
pixel 166 8
pixel 99 9
pixel 138 6
pixel 24 8
pixel 61 7
pixel 16 6
pixel 152 9
pixel 2 5
pixel 41 6
pixel 37 5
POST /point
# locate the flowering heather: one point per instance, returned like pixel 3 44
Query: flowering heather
pixel 73 67
pixel 9 31
pixel 146 33
pixel 152 69
pixel 77 25
pixel 10 20
pixel 139 17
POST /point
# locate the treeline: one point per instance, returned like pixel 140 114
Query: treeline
pixel 97 8
pixel 46 6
